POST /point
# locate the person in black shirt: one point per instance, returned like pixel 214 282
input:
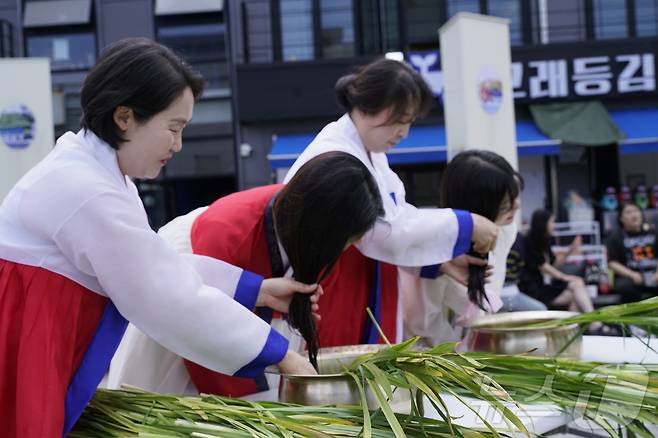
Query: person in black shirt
pixel 633 255
pixel 564 290
pixel 513 299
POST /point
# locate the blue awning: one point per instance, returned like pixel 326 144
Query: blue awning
pixel 425 144
pixel 640 127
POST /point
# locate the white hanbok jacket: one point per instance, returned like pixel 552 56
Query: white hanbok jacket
pixel 408 236
pixel 77 215
pixel 436 309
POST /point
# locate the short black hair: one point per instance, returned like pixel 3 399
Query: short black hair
pixel 138 73
pixel 384 84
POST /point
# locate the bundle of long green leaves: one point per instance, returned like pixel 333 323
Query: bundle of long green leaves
pixel 609 395
pixel 623 394
pixel 134 412
pixel 643 314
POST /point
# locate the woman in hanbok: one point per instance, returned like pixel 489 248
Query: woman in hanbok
pixel 274 230
pixel 436 308
pixel 382 100
pixel 78 259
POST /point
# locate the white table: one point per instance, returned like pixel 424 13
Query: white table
pixel 541 418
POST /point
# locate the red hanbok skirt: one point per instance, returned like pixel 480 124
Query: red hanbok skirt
pixel 48 368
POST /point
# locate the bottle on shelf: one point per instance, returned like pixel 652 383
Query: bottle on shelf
pixel 625 195
pixel 641 197
pixel 609 199
pixel 654 197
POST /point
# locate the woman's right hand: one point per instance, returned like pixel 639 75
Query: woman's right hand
pixel 574 246
pixel 485 234
pixel 276 293
pixel 295 363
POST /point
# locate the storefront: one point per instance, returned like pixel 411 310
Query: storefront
pixel 605 132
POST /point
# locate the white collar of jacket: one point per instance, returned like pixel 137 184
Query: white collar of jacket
pixel 102 152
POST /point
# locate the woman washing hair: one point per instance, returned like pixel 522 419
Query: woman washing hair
pixel 484 183
pixel 304 229
pixel 382 100
pixel 78 259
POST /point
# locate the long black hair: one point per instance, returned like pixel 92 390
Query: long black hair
pixel 479 181
pixel 385 84
pixel 331 201
pixel 538 237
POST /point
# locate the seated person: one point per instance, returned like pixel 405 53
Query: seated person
pixel 513 299
pixel 632 255
pixel 564 290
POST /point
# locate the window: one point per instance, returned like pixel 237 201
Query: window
pixel 646 17
pixel 297 35
pixel 67 51
pixel 454 6
pixel 61 30
pixel 6 39
pixel 257 31
pixel 380 26
pixel 423 21
pixel 510 9
pixel 198 42
pixel 565 21
pixel 337 28
pixel 203 44
pixel 610 19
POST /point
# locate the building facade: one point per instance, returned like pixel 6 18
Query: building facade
pixel 289 53
pixel 271 66
pixel 73 32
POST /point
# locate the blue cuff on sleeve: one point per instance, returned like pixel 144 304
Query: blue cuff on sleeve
pixel 248 287
pixel 430 271
pixel 465 234
pixel 273 352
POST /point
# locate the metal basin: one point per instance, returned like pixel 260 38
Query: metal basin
pixel 504 333
pixel 332 385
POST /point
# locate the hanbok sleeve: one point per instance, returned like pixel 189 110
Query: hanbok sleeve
pixel 161 292
pixel 410 236
pixel 427 305
pixel 240 284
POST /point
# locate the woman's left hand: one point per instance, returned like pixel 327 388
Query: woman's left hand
pixel 457 268
pixel 276 293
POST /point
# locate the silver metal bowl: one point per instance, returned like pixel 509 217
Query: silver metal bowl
pixel 505 333
pixel 332 385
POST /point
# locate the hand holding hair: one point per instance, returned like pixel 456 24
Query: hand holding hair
pixel 277 293
pixel 485 233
